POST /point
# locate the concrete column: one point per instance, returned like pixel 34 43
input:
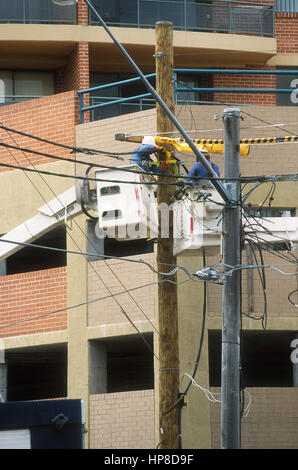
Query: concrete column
pixel 78 353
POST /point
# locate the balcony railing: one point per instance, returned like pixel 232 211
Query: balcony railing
pixel 35 11
pixel 226 16
pixel 102 106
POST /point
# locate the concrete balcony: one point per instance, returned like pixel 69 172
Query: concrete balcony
pixel 48 47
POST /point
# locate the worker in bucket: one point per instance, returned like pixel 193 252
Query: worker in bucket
pixel 141 155
pixel 199 171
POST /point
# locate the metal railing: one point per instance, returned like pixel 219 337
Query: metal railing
pixel 227 16
pixel 105 101
pixel 36 11
pixel 121 105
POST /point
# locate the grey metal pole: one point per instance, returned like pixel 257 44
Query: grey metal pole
pixel 230 373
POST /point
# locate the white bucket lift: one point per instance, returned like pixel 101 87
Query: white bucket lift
pixel 126 211
pixel 197 223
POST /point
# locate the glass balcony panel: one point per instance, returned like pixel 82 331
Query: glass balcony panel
pixel 128 11
pixel 246 19
pixel 122 12
pixel 108 9
pixel 35 11
pixel 152 11
pixel 188 15
pixel 199 16
pixel 12 11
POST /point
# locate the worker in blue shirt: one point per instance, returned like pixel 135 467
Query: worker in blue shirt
pixel 199 171
pixel 141 155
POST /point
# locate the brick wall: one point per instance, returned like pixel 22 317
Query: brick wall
pixel 77 70
pixel 122 420
pixel 52 118
pixel 245 81
pixel 76 73
pixel 286 32
pixel 272 422
pixel 82 13
pixel 30 294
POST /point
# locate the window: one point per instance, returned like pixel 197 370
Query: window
pixel 109 190
pixel 265 358
pixel 24 85
pixel 121 364
pixel 33 259
pixel 37 373
pixel 110 215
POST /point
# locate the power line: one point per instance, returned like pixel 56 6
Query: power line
pixel 107 257
pixel 63 309
pixel 262 178
pixel 74 149
pixel 84 178
pixel 89 164
pixel 121 308
pixel 265 122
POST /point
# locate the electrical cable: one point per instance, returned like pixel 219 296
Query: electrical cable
pixel 182 396
pixel 95 165
pixel 290 300
pixel 291 123
pixel 85 211
pixel 83 178
pixel 121 308
pixel 247 179
pixel 81 304
pixel 68 147
pixel 267 122
pixel 120 258
pixel 204 312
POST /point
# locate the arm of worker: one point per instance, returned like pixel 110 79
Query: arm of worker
pixel 192 172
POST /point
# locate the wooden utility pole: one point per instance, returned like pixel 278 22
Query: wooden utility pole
pixel 167 292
